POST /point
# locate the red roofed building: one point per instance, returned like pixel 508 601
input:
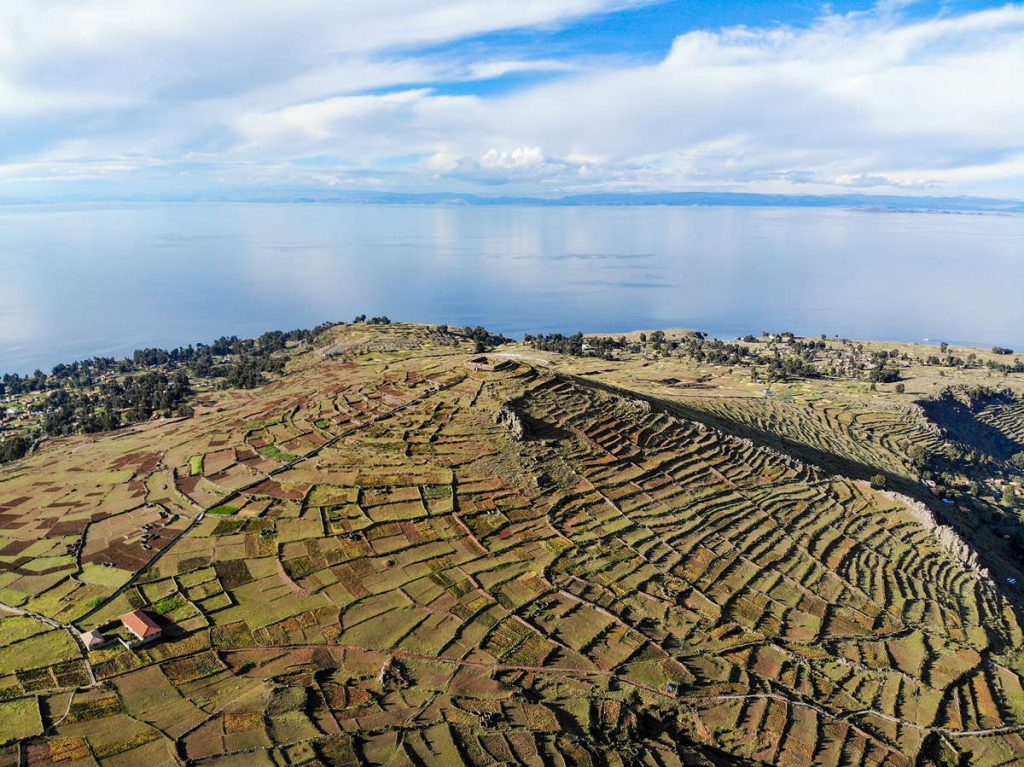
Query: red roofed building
pixel 140 624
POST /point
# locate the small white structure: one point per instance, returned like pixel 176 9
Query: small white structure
pixel 93 640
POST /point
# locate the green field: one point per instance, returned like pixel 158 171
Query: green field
pixel 34 652
pixel 19 719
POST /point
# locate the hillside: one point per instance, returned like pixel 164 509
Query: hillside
pixel 391 554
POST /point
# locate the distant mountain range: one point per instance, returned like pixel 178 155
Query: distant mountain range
pixel 870 202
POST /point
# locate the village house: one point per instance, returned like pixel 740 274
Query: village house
pixel 141 625
pixel 93 640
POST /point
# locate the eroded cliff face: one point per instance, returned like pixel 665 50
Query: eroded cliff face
pixel 509 416
pixel 945 535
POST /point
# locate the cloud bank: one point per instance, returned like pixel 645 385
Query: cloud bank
pixel 413 96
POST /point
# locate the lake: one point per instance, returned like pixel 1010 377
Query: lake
pixel 104 280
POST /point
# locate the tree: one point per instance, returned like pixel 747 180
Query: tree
pixel 13 448
pixel 878 482
pixel 247 373
pixel 900 388
pixel 918 456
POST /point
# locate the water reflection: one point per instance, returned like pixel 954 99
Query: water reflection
pixel 104 280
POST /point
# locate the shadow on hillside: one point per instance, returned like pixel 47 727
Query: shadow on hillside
pixel 984 538
pixel 959 422
pixel 828 461
pixel 542 430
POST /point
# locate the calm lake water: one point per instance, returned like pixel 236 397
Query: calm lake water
pixel 83 281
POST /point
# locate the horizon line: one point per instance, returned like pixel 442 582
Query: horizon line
pixel 857 200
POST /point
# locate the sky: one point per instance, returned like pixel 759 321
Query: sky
pixel 102 98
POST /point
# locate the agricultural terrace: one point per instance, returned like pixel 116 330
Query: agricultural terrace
pixel 937 433
pixel 386 556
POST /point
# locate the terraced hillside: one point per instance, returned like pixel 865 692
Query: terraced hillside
pixel 1007 418
pixel 388 556
pixel 954 446
pixel 987 419
pixel 760 575
pixel 879 439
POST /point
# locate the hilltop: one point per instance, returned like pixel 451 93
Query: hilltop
pixel 425 545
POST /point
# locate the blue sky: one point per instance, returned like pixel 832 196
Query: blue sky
pixel 552 97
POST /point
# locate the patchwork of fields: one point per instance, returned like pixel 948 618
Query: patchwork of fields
pixel 389 557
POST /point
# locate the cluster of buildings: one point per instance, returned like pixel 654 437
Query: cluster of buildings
pixel 11 414
pixel 22 412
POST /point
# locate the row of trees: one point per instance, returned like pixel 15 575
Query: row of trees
pixel 780 367
pixel 481 337
pixel 714 351
pixel 115 403
pixel 972 361
pixel 14 447
pixel 697 346
pixel 247 372
pixel 202 360
pixel 1017 366
pixel 576 345
pixel 884 369
pixel 948 359
pixel 103 393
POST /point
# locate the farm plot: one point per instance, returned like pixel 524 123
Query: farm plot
pixel 702 542
pixel 19 719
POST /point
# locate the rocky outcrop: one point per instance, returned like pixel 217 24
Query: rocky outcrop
pixel 509 417
pixel 947 537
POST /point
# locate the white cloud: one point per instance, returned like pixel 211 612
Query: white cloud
pixel 506 166
pixel 484 70
pixel 520 157
pixel 246 92
pixel 849 97
pixel 323 121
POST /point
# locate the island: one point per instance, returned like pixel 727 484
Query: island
pixel 376 542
